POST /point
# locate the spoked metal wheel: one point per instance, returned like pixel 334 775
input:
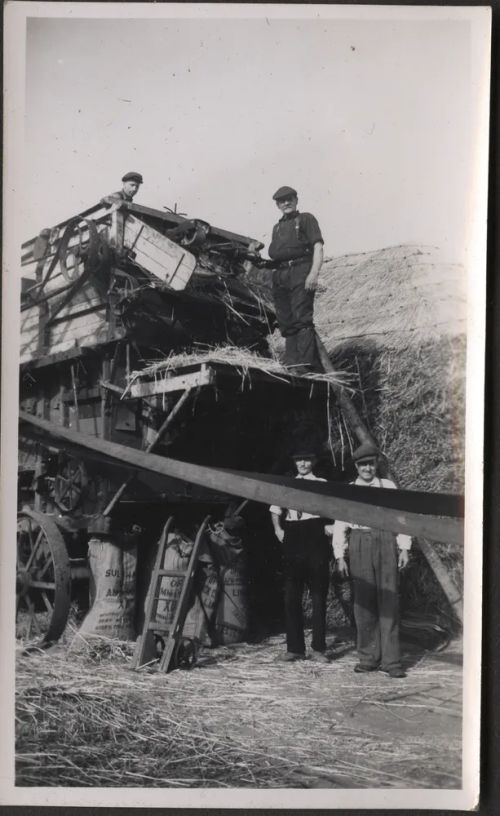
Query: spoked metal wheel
pixel 43 578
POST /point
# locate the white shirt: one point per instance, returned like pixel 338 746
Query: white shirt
pixel 293 515
pixel 339 529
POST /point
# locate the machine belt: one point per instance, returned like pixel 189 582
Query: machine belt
pixel 431 504
pixel 327 499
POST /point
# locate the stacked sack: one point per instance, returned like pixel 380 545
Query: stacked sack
pixel 219 609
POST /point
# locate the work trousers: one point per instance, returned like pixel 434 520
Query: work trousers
pixel 373 560
pixel 306 557
pixel 294 306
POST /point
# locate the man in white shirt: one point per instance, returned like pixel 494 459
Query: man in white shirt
pixel 306 562
pixel 375 557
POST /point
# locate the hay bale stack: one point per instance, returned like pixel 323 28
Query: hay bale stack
pixel 396 318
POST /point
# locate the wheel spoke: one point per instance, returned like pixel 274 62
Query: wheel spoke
pixel 63 489
pixel 34 550
pixel 43 569
pixel 32 620
pixel 31 533
pixel 47 603
pixel 70 484
pixel 43 585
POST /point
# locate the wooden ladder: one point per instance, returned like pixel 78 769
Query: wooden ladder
pixel 145 645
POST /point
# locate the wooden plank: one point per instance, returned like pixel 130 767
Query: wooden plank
pixel 273 490
pixel 53 359
pixel 81 324
pixel 89 295
pixel 84 394
pixel 157 254
pixel 206 376
pixel 115 389
pixel 86 294
pixel 67 336
pixel 81 312
pixel 117 229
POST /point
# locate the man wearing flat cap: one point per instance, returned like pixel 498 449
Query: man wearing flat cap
pixel 130 186
pixel 306 553
pixel 375 557
pixel 296 249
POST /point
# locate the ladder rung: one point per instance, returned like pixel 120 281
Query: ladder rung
pixel 173 630
pixel 154 626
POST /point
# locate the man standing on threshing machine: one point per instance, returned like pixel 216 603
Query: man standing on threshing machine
pixel 296 249
pixel 375 557
pixel 306 561
pixel 130 186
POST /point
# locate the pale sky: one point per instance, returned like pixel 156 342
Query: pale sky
pixel 371 121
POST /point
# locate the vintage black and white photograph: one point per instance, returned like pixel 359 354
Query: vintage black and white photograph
pixel 242 419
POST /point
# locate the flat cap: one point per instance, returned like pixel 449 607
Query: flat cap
pixel 306 452
pixel 284 191
pixel 365 451
pixel 132 176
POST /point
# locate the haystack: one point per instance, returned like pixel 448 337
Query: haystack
pixel 396 319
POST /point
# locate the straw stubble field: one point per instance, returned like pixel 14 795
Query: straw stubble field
pixel 239 719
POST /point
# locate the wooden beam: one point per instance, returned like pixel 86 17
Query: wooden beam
pixel 52 359
pixel 205 376
pixel 345 403
pixel 173 218
pixel 452 593
pixel 370 511
pixel 116 389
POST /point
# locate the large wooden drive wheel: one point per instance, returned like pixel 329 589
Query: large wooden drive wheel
pixel 43 578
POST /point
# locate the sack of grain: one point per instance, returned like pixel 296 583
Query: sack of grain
pixel 113 568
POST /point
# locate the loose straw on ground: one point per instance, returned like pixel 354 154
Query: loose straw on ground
pixel 240 719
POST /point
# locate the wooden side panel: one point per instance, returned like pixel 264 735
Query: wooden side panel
pixel 30 323
pixel 159 255
pixel 75 330
pixel 83 327
pixel 85 299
